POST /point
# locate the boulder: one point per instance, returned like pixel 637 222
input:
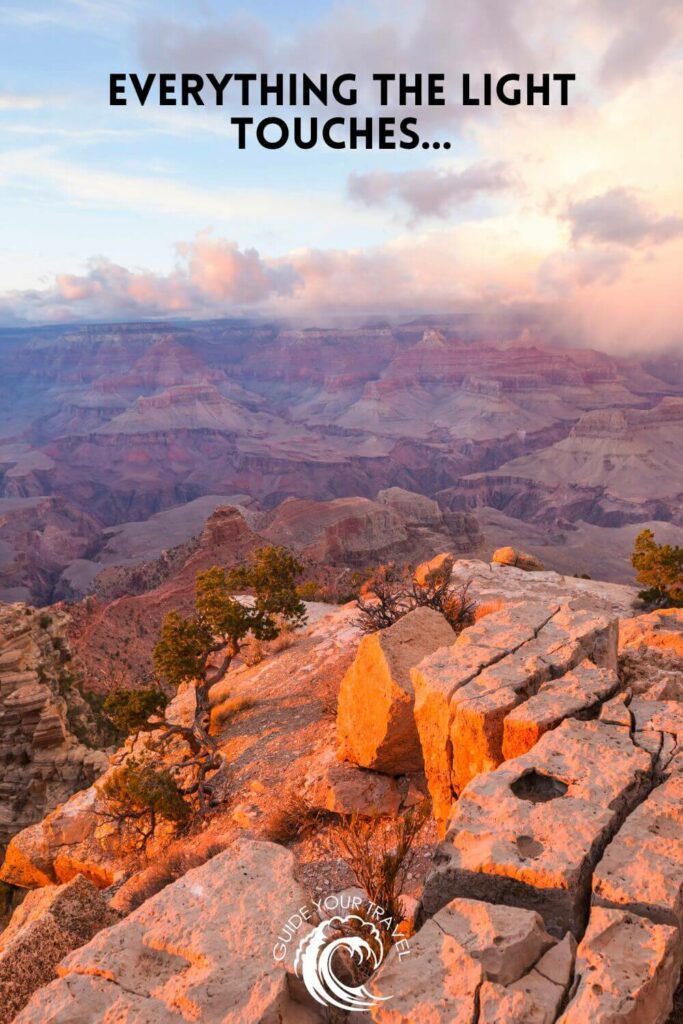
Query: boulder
pixel 201 949
pixel 518 559
pixel 375 718
pixel 425 569
pixel 642 868
pixel 72 840
pixel 50 923
pixel 529 833
pixel 343 789
pixel 627 970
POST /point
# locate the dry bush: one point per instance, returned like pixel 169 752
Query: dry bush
pixel 291 818
pixel 487 608
pixel 380 855
pixel 230 708
pixel 179 858
pixel 392 591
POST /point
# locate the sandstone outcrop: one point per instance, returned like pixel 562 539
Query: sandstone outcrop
pixel 626 969
pixel 642 868
pixel 201 949
pixel 518 559
pixel 465 693
pixel 530 833
pixel 50 923
pixel 471 955
pixel 375 718
pixel 42 762
pixel 651 654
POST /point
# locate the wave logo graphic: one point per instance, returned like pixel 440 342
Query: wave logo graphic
pixel 314 961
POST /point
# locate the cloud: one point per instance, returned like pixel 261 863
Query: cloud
pixel 620 217
pixel 14 101
pixel 641 35
pixel 210 275
pixel 429 192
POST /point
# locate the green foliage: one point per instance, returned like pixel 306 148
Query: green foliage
pixel 221 623
pixel 129 710
pixel 183 648
pixel 272 575
pixel 659 568
pixel 139 794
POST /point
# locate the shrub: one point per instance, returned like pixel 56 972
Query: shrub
pixel 392 592
pixel 290 818
pixel 129 710
pixel 138 794
pixel 230 708
pixel 380 857
pixel 659 567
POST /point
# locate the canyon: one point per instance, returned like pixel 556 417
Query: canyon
pixel 117 441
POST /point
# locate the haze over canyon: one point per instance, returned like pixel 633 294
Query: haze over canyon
pixel 117 442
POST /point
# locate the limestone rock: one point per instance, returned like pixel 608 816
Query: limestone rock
pixel 200 949
pixel 490 583
pixel 529 833
pixel 642 868
pixel 660 631
pixel 476 956
pixel 518 559
pixel 50 923
pixel 42 762
pixel 464 694
pixel 375 718
pixel 72 840
pixel 438 982
pixel 627 970
pixel 573 695
pixel 343 789
pixel 506 940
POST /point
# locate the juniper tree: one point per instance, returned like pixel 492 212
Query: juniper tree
pixel 659 567
pixel 200 648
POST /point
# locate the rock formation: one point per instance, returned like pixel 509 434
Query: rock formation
pixel 464 693
pixel 519 559
pixel 42 762
pixel 376 718
pixel 50 923
pixel 185 954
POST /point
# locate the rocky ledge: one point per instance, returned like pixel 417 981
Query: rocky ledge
pixel 555 895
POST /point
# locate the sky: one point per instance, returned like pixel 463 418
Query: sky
pixel 574 213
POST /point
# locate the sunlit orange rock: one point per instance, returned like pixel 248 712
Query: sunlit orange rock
pixel 375 718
